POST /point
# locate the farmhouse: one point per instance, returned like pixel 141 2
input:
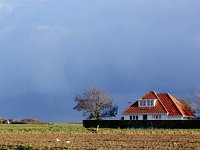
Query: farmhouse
pixel 157 106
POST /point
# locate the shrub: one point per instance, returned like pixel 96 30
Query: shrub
pixel 26 147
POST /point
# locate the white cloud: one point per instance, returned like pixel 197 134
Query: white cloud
pixel 8 6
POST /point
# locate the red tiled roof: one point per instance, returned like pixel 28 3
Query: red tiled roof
pixel 184 111
pixel 165 104
pixel 169 104
pixel 150 95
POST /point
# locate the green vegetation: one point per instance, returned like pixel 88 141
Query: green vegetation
pixel 30 147
pixel 42 128
pixel 25 147
pixel 72 128
pixel 18 147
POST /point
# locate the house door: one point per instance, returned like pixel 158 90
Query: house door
pixel 144 117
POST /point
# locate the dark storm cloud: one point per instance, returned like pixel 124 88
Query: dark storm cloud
pixel 51 50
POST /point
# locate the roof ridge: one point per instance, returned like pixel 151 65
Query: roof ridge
pixel 160 102
pixel 173 98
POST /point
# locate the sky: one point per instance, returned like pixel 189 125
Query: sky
pixel 51 50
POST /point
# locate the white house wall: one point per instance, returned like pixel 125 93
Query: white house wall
pixel 163 117
pixel 175 118
pixel 140 117
pixel 126 117
pixel 149 117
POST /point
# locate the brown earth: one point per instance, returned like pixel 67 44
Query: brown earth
pixel 108 139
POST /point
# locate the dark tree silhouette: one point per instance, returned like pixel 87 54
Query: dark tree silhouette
pixel 95 104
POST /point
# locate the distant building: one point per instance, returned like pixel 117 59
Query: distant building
pixel 157 106
pixel 6 122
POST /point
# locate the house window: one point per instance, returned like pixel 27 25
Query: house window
pixel 144 103
pixel 133 117
pixel 148 103
pixel 140 103
pixel 156 117
pixel 151 103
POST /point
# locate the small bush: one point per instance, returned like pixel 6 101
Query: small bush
pixel 26 147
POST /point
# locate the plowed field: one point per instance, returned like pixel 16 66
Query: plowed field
pixel 114 139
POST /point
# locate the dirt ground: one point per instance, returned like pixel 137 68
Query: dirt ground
pixel 107 139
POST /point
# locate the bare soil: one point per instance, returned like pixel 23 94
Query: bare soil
pixel 107 139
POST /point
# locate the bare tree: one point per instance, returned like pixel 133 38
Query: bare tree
pixel 95 104
pixel 186 102
pixel 197 104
